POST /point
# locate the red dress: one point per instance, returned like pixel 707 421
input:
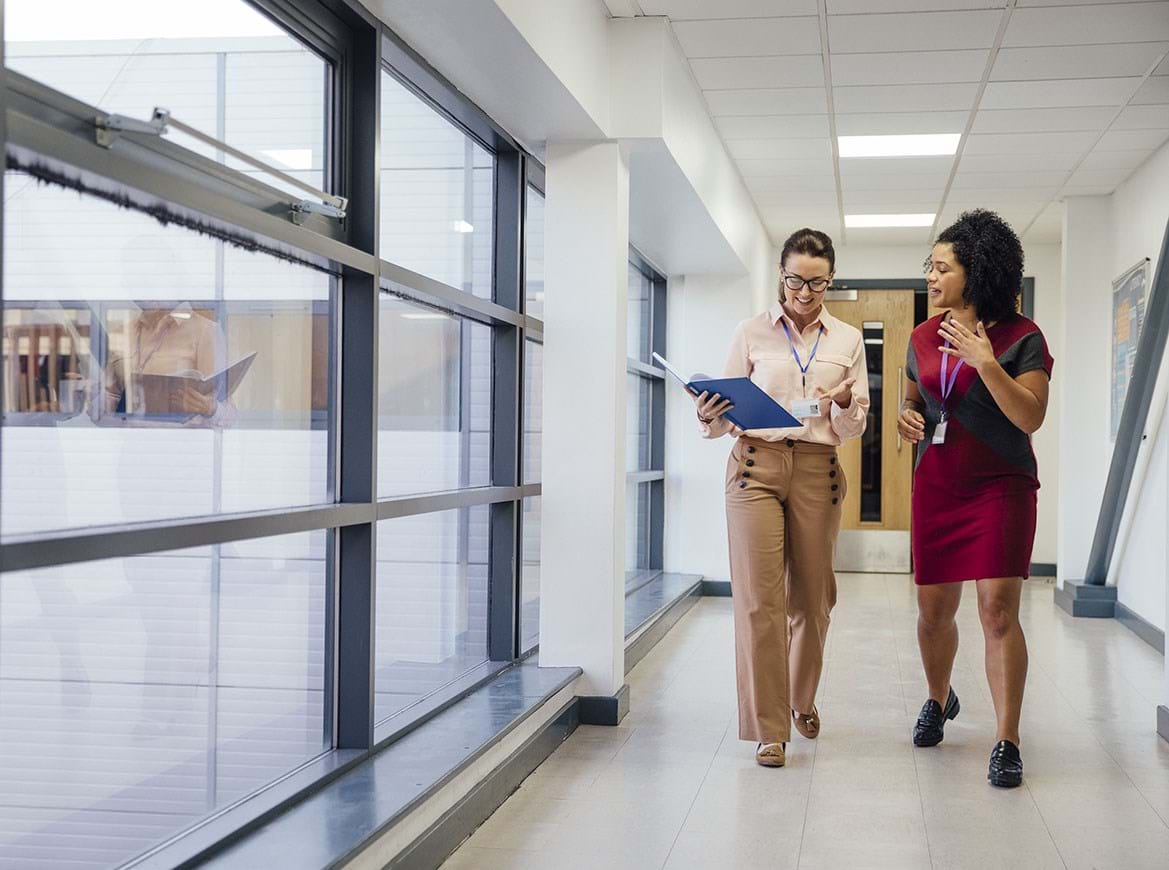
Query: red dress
pixel 974 496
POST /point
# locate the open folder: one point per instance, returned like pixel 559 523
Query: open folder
pixel 753 408
pixel 159 390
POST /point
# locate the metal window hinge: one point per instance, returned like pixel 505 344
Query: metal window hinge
pixel 110 127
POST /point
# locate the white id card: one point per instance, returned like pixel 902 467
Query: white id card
pixel 802 409
pixel 940 433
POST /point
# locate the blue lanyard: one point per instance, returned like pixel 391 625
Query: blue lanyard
pixel 803 366
pixel 948 383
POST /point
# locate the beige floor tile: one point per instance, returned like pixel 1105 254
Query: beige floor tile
pixel 672 785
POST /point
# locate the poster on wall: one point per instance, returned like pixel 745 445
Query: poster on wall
pixel 1128 313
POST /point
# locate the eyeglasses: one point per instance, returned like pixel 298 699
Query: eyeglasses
pixel 795 283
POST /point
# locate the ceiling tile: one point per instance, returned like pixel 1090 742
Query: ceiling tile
pixel 790 183
pixel 1088 190
pixel 1045 162
pixel 911 200
pixel 1014 197
pixel 763 166
pixel 808 197
pixel 904 98
pixel 683 10
pixel 1088 25
pixel 1115 160
pixel 900 123
pixel 1132 140
pixel 844 7
pixel 1100 177
pixel 938 31
pixel 894 182
pixel 1058 92
pixel 1154 117
pixel 854 166
pixel 728 73
pixel 1094 118
pixel 749 149
pixel 1163 69
pixel 1007 180
pixel 908 68
pixel 769 101
pixel 890 236
pixel 773 127
pixel 747 37
pixel 1155 90
pixel 1009 144
pixel 1076 61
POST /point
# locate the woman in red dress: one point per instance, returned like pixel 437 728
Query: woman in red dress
pixel 977 387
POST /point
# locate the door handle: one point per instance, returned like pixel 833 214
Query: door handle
pixel 900 402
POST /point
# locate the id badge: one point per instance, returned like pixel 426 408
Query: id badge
pixel 940 433
pixel 802 409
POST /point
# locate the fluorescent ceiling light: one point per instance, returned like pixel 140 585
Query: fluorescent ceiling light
pixel 462 227
pixel 425 317
pixel 928 145
pixel 889 220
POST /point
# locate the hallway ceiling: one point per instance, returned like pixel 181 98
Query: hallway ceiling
pixel 1052 97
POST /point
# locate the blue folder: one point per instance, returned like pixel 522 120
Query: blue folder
pixel 754 409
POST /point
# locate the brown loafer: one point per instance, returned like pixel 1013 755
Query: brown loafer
pixel 807 724
pixel 771 754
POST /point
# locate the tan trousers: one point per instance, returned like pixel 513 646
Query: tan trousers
pixel 783 514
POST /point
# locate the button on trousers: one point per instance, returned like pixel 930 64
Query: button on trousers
pixel 783 515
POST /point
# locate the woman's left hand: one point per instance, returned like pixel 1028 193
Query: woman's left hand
pixel 974 348
pixel 841 394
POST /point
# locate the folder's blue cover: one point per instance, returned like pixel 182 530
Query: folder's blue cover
pixel 754 409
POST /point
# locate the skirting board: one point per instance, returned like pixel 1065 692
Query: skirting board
pixel 1139 626
pixel 604 709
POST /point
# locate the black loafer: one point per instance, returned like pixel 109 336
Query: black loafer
pixel 931 721
pixel 1006 767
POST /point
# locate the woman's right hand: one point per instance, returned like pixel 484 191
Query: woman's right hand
pixel 911 425
pixel 710 408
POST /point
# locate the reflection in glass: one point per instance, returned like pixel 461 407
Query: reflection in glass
pixel 533 410
pixel 637 527
pixel 153 372
pixel 219 66
pixel 434 403
pixel 432 585
pixel 437 209
pixel 534 254
pixel 874 335
pixel 638 404
pixel 530 576
pixel 138 695
pixel 638 331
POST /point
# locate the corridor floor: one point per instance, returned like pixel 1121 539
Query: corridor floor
pixel 672 787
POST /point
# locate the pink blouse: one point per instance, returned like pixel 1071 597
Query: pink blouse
pixel 760 350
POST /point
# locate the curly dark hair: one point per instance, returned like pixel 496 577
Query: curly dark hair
pixel 992 256
pixel 811 242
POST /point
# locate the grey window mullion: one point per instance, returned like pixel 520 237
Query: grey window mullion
pixel 356 126
pixel 430 291
pixel 507 409
pixel 636 367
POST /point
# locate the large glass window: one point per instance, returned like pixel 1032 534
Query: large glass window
pixel 432 577
pixel 534 253
pixel 644 424
pixel 434 407
pixel 139 695
pixel 530 576
pixel 218 66
pixel 437 192
pixel 153 372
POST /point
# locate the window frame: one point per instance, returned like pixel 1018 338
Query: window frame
pixel 57 132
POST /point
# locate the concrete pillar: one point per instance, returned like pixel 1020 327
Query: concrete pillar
pixel 582 595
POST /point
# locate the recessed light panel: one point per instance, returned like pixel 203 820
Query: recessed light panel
pixel 924 145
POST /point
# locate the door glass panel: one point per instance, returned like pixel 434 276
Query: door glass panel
pixel 874 333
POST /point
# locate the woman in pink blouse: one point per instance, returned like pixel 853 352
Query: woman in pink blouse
pixel 784 491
